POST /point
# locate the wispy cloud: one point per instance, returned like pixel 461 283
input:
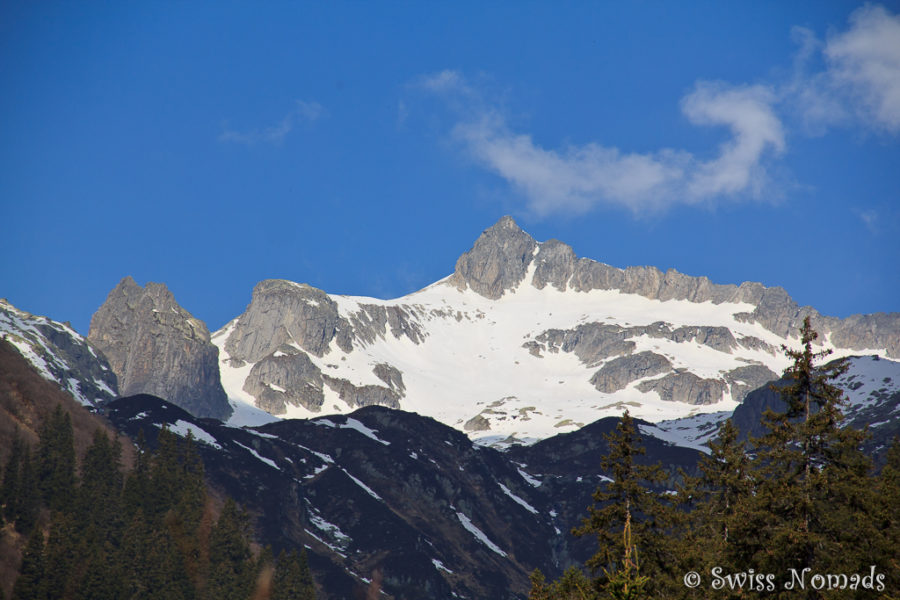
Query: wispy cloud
pixel 578 178
pixel 858 80
pixel 870 220
pixel 861 77
pixel 302 112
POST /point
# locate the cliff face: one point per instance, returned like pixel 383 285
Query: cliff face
pixel 156 347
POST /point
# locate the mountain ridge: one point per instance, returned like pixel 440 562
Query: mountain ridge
pixel 634 335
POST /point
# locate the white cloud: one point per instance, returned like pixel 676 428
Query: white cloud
pixel 851 78
pixel 578 178
pixel 865 61
pixel 302 112
pixel 748 113
pixel 859 81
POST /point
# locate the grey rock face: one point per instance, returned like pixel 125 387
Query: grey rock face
pixel 287 379
pixel 619 372
pixel 283 312
pixel 591 342
pixel 156 347
pixel 497 262
pixel 717 338
pixel 746 379
pixel 554 264
pixel 391 376
pixel 63 355
pixel 374 321
pixel 869 332
pixel 477 423
pixel 683 386
pixel 364 395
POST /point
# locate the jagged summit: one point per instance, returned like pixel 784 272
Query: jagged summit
pixel 154 346
pixel 497 262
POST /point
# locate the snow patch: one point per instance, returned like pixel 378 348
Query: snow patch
pixel 362 485
pixel 518 500
pixel 182 428
pixel 268 461
pixel 479 535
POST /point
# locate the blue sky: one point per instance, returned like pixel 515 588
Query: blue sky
pixel 362 147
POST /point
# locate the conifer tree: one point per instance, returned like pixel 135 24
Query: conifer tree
pixel 231 574
pixel 293 580
pixel 56 460
pixel 888 515
pixel 137 495
pixel 12 478
pixel 629 499
pixel 60 555
pixel 28 584
pixel 28 501
pixel 812 485
pixel 100 493
pixel 723 490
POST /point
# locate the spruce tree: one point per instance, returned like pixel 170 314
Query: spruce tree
pixel 630 499
pixel 231 574
pixel 293 580
pixel 60 555
pixel 136 494
pixel 100 493
pixel 28 584
pixel 56 460
pixel 12 478
pixel 28 500
pixel 888 515
pixel 812 486
pixel 723 491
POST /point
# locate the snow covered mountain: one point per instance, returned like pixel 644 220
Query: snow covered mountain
pixel 59 354
pixel 523 341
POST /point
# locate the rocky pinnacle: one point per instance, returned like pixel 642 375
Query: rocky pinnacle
pixel 156 347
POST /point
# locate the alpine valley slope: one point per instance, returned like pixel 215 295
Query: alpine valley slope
pixel 523 341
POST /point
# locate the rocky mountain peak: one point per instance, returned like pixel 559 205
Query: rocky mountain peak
pixel 155 346
pixel 497 262
pixel 283 312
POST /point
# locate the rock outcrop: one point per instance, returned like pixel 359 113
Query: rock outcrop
pixel 156 347
pixel 285 378
pixel 683 386
pixel 282 313
pixel 616 374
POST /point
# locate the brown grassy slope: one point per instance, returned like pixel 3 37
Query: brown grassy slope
pixel 26 400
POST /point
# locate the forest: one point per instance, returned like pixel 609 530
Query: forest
pixel 154 532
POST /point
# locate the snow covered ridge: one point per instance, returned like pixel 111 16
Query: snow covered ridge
pixel 522 342
pixel 59 354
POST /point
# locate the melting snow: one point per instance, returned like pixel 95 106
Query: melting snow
pixel 355 425
pixel 479 535
pixel 362 485
pixel 268 461
pixel 518 500
pixel 532 480
pixel 182 428
pixel 440 566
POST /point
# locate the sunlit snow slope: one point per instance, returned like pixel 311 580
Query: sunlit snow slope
pixel 524 340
